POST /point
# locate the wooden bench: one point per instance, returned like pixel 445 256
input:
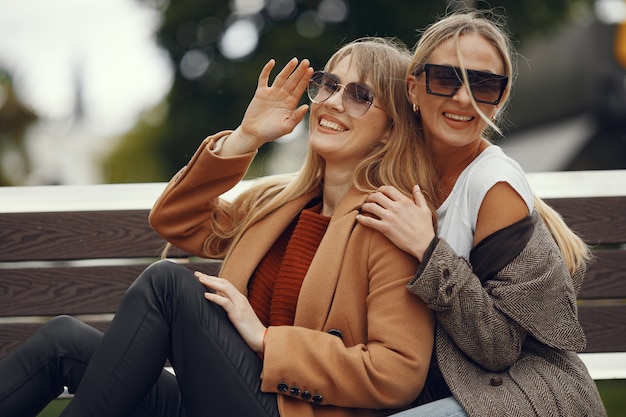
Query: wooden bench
pixel 75 249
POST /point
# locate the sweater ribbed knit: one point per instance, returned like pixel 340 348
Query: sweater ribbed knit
pixel 275 284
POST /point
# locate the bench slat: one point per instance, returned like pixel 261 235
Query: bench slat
pixel 606 277
pixel 11 335
pixel 605 327
pixel 77 235
pixel 599 220
pixel 70 290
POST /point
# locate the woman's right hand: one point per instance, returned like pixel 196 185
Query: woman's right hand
pixel 407 222
pixel 273 111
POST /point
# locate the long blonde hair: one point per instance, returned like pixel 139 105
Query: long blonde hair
pixel 487 24
pixel 402 161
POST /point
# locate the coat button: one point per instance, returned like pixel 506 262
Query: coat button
pixel 496 381
pixel 306 395
pixel 448 291
pixel 446 273
pixel 282 387
pixel 336 332
pixel 317 398
pixel 294 391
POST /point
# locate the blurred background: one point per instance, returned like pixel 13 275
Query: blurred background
pixel 114 91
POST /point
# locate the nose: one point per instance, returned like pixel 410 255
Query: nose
pixel 462 95
pixel 335 100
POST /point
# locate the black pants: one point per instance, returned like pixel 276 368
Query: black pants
pixel 163 315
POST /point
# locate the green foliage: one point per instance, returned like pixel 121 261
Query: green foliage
pixel 15 118
pixel 217 99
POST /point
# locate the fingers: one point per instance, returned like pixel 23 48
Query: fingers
pixel 294 77
pixel 264 76
pixel 391 192
pixel 418 197
pixel 215 285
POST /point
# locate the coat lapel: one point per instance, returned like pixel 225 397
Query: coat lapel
pixel 255 243
pixel 320 282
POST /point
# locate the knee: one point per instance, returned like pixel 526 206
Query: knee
pixel 164 267
pixel 62 325
pixel 158 278
pixel 68 333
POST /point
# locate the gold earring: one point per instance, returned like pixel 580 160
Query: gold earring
pixel 415 108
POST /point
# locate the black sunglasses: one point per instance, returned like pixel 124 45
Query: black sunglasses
pixel 356 99
pixel 445 81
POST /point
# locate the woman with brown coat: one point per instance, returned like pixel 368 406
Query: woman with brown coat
pixel 310 315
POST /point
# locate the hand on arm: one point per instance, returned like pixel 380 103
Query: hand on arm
pixel 273 111
pixel 406 222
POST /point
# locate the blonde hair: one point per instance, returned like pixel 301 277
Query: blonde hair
pixel 402 161
pixel 575 252
pixel 486 24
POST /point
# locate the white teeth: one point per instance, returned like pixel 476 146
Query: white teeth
pixel 331 125
pixel 458 117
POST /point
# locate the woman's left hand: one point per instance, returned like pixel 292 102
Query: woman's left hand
pixel 408 223
pixel 223 293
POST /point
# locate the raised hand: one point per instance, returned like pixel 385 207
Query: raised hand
pixel 407 222
pixel 273 111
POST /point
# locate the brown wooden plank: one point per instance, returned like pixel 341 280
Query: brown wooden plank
pixel 11 335
pixel 70 290
pixel 77 235
pixel 597 219
pixel 606 276
pixel 605 327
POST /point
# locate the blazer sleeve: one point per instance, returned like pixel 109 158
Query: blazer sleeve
pixel 489 321
pixel 189 208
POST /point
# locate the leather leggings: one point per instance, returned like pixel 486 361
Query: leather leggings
pixel 162 316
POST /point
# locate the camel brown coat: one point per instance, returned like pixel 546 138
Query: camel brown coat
pixel 356 285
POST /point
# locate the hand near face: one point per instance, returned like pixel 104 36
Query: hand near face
pixel 274 111
pixel 240 312
pixel 406 222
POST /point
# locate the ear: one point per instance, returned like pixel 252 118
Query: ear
pixel 412 86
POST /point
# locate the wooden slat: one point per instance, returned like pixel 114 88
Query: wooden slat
pixel 605 327
pixel 69 290
pixel 76 235
pixel 599 220
pixel 606 277
pixel 11 335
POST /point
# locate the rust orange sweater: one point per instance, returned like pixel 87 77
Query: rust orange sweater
pixel 274 287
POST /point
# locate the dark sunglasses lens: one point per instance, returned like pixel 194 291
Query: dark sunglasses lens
pixel 442 80
pixel 445 81
pixel 357 98
pixel 487 87
pixel 321 87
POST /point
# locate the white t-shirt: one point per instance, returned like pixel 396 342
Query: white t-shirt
pixel 458 214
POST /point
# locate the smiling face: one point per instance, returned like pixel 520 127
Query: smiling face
pixel 454 121
pixel 343 140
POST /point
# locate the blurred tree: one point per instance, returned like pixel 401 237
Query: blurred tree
pixel 15 118
pixel 218 48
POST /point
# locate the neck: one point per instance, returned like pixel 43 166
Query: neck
pixel 451 161
pixel 336 185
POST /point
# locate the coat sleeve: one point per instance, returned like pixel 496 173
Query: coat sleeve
pixel 189 209
pixel 385 367
pixel 532 294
